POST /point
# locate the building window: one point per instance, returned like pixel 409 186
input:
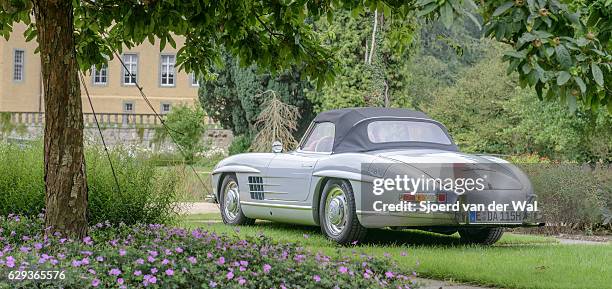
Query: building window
pixel 165 108
pixel 167 70
pixel 100 76
pixel 195 81
pixel 18 65
pixel 128 107
pixel 130 71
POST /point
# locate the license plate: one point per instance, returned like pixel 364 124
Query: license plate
pixel 506 217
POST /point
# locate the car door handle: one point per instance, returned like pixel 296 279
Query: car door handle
pixel 307 165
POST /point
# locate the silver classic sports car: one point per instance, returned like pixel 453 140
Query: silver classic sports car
pixel 362 168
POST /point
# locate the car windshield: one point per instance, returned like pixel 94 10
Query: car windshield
pixel 385 131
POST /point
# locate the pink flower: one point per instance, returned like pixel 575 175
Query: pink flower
pixel 266 268
pixel 140 261
pixel 165 262
pixel 137 273
pixel 241 281
pixel 221 260
pixel 122 252
pixel 95 282
pixel 389 274
pixel 343 269
pixel 114 272
pixel 178 250
pixel 169 272
pixel 192 260
pixel 316 278
pixel 229 275
pixel 120 281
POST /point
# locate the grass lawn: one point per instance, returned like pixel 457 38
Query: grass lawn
pixel 516 261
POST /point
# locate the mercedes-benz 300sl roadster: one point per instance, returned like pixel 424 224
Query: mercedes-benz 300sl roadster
pixel 361 168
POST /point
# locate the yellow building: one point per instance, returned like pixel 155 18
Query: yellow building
pixel 112 88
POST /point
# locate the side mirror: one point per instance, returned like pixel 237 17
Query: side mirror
pixel 277 147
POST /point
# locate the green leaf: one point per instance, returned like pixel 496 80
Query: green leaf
pixel 597 74
pixel 427 9
pixel 563 77
pixel 516 54
pixel 563 56
pixel 474 19
pixel 446 15
pixel 503 8
pixel 580 83
pixel 571 102
pixel 470 4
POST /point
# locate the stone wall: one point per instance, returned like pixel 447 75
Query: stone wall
pixel 142 137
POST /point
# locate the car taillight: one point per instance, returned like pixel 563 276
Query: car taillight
pixel 441 197
pixel 408 197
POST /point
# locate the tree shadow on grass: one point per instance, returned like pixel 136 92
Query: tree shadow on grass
pixel 378 237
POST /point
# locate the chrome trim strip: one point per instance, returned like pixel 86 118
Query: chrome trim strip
pixel 280 206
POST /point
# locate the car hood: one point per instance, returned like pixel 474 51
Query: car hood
pixel 500 173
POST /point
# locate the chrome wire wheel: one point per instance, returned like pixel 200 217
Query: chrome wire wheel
pixel 231 201
pixel 336 211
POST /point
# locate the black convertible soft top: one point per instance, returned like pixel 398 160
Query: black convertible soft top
pixel 351 128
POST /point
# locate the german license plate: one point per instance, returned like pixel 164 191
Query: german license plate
pixel 505 217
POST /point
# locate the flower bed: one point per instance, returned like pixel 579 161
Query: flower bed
pixel 156 256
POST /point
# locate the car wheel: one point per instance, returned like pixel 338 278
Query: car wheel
pixel 483 236
pixel 231 212
pixel 338 214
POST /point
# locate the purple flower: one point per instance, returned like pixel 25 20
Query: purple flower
pixel 87 240
pixel 316 278
pixel 91 271
pixel 389 274
pixel 241 281
pixel 192 260
pixel 343 269
pixel 137 273
pixel 140 261
pixel 403 254
pixel 244 263
pixel 150 259
pixel 122 252
pixel 76 263
pixel 38 246
pixel 153 270
pixel 165 262
pixel 95 282
pixel 178 250
pixel 169 272
pixel 229 275
pixel 221 260
pixel 212 284
pixel 114 272
pixel 120 281
pixel 10 262
pixel 266 268
pixel 100 259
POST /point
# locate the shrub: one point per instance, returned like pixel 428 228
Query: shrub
pixel 147 193
pixel 162 257
pixel 186 127
pixel 240 144
pixel 571 196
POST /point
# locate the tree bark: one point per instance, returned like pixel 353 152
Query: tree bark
pixel 65 180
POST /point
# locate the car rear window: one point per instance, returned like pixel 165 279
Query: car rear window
pixel 385 131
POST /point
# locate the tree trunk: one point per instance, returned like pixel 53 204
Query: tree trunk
pixel 65 181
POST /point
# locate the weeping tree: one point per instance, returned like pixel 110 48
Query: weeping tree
pixel 557 48
pixel 277 121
